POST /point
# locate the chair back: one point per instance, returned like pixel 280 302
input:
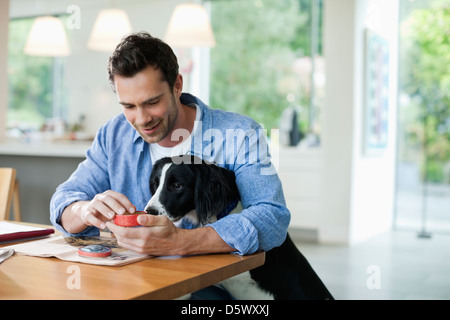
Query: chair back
pixel 7 180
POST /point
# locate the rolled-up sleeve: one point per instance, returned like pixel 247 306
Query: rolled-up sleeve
pixel 263 222
pixel 85 182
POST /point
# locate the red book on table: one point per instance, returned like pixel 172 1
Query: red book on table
pixel 11 231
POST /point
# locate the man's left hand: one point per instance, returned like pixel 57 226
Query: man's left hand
pixel 158 236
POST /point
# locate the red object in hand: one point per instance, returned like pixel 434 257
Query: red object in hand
pixel 128 219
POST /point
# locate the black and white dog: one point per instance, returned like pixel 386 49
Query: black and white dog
pixel 201 193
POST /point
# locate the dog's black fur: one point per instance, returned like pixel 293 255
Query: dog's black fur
pixel 193 184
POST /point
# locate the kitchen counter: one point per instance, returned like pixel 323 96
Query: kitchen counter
pixel 41 166
pixel 60 148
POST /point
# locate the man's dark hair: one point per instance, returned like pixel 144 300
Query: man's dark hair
pixel 139 50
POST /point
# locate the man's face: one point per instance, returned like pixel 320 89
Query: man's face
pixel 149 104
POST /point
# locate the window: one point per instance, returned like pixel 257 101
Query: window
pixel 35 84
pixel 423 165
pixel 268 57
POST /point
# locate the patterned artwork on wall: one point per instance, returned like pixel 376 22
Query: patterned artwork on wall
pixel 376 93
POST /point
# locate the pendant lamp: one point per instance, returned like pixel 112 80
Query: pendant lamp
pixel 47 38
pixel 189 26
pixel 109 28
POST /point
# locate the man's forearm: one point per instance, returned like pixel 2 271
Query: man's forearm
pixel 201 241
pixel 71 217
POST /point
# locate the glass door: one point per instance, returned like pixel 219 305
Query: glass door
pixel 423 159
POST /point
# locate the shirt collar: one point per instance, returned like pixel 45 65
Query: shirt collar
pixel 136 136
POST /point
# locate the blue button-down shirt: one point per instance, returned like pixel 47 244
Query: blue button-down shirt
pixel 119 159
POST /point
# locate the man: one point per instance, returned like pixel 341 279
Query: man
pixel 159 120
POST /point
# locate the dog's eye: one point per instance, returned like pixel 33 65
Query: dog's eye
pixel 154 185
pixel 176 186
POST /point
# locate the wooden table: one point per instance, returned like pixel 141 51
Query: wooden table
pixel 25 277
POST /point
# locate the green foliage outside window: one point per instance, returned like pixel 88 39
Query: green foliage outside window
pixel 30 80
pixel 425 79
pixel 253 65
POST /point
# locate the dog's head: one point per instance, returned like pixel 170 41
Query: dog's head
pixel 188 186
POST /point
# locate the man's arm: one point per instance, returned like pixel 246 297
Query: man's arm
pixel 264 220
pixel 161 237
pixel 82 204
pixel 68 204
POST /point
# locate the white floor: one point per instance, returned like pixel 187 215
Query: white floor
pixel 396 265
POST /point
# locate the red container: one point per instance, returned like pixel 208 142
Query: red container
pixel 94 251
pixel 128 219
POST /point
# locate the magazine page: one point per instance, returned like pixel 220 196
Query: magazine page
pixel 66 248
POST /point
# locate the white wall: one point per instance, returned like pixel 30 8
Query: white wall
pixel 358 190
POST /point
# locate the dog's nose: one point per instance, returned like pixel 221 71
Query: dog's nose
pixel 152 211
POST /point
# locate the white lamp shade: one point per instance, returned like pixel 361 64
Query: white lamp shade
pixel 47 38
pixel 189 26
pixel 111 25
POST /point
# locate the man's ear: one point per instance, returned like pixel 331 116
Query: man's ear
pixel 178 86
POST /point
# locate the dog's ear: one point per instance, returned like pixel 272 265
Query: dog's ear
pixel 215 187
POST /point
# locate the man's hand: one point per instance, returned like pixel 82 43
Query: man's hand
pixel 104 207
pixel 96 212
pixel 158 236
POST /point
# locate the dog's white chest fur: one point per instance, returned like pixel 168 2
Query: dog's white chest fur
pixel 243 287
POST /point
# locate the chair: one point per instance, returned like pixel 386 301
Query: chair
pixel 7 184
pixel 16 202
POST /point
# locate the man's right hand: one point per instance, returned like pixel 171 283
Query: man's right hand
pixel 96 212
